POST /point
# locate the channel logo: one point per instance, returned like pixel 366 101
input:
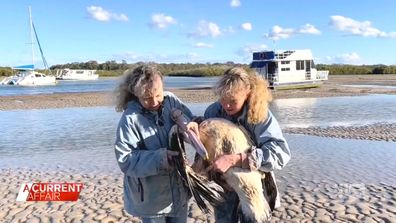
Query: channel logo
pixel 49 191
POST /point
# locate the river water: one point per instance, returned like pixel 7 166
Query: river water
pixel 102 84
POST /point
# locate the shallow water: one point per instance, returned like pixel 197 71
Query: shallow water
pixel 369 86
pixel 81 139
pixel 314 159
pixel 333 160
pixel 335 111
pixel 102 84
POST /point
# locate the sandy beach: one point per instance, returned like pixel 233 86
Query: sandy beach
pixel 307 201
pixel 101 201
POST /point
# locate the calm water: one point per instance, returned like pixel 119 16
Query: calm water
pixel 369 86
pixel 102 84
pixel 335 111
pixel 81 139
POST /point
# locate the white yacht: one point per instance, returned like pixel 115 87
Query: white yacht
pixel 29 78
pixel 288 68
pixel 69 74
pixel 26 75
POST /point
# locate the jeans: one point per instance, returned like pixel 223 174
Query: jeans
pixel 180 219
pixel 165 220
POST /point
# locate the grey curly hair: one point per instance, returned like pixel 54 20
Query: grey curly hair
pixel 134 83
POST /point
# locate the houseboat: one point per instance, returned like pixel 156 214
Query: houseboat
pixel 69 74
pixel 288 69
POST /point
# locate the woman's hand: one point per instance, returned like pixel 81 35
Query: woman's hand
pixel 170 154
pixel 225 162
pixel 193 126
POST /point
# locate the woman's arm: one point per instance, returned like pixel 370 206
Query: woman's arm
pixel 272 150
pixel 132 157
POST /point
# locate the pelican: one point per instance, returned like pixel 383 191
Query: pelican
pixel 199 185
pixel 220 136
pixel 217 137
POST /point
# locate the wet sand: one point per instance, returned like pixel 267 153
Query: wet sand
pixel 378 132
pixel 101 201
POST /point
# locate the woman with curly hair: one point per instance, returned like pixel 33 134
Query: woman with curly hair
pixel 153 190
pixel 244 99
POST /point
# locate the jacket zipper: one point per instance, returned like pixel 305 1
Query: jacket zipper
pixel 140 189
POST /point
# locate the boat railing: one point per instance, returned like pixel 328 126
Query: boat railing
pixel 322 75
pixel 5 80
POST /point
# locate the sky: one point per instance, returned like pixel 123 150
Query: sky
pixel 205 31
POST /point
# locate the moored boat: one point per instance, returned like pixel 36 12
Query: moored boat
pixel 26 74
pixel 290 68
pixel 70 74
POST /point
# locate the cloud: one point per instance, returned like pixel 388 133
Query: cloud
pixel 235 3
pixel 100 14
pixel 278 32
pixel 250 48
pixel 357 28
pixel 132 57
pixel 161 21
pixel 205 29
pixel 246 26
pixel 203 45
pixel 354 27
pixel 308 29
pixel 346 58
pixel 246 51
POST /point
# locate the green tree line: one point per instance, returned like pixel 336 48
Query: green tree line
pixel 357 69
pixel 112 68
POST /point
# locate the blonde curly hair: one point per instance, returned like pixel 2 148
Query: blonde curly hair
pixel 240 78
pixel 134 83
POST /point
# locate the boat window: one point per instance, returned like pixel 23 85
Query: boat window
pixel 308 65
pixel 284 54
pixel 300 65
pixel 285 69
pixel 285 62
pixel 267 55
pixel 258 64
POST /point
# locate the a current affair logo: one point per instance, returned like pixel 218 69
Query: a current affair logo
pixel 49 191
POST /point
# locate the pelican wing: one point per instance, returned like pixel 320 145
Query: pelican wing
pixel 200 187
pixel 178 117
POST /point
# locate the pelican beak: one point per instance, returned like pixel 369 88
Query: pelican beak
pixel 197 144
pixel 177 116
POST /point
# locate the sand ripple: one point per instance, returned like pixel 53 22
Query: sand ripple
pixel 101 201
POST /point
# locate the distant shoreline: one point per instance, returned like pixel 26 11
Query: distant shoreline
pixel 336 86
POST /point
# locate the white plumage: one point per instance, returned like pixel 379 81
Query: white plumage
pixel 219 137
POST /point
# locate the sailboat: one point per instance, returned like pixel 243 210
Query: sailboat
pixel 26 74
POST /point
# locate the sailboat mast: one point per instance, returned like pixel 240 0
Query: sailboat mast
pixel 31 34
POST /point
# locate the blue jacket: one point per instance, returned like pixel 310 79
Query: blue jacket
pixel 152 188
